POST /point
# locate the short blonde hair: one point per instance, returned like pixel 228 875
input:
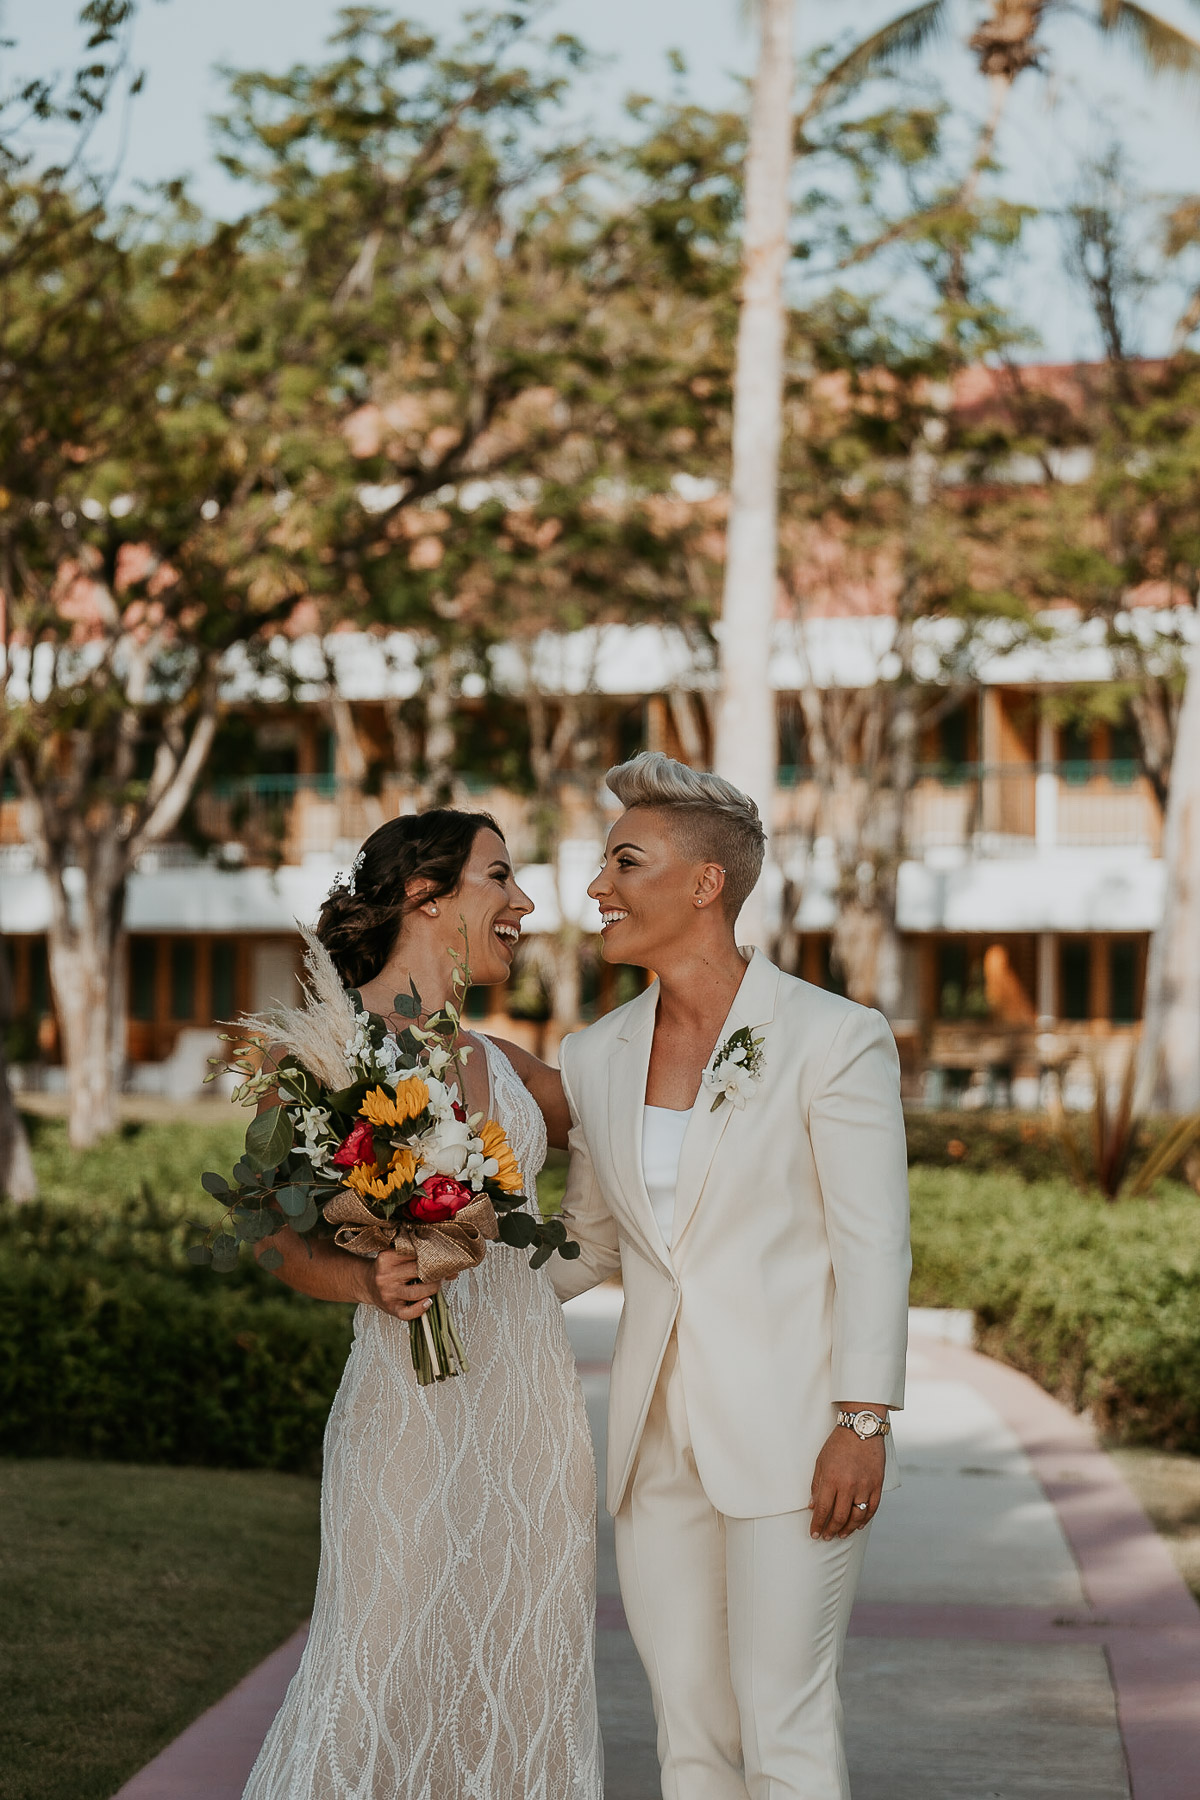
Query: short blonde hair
pixel 716 821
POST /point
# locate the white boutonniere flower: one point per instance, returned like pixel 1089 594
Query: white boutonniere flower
pixel 735 1069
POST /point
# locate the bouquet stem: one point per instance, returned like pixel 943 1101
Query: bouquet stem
pixel 437 1351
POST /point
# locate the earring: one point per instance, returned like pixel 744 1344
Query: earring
pixel 433 909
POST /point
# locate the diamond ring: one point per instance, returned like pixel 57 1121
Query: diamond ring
pixel 863 1505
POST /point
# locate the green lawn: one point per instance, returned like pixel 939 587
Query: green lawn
pixel 131 1599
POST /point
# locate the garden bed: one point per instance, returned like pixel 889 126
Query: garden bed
pixel 1099 1302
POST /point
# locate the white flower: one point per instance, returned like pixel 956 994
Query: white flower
pixel 437 1057
pixel 442 1098
pixel 359 1048
pixel 479 1168
pixel 445 1149
pixel 318 1140
pixel 735 1070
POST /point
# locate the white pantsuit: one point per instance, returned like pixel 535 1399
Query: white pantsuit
pixel 784 1293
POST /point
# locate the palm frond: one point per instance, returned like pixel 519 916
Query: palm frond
pixel 898 41
pixel 1163 48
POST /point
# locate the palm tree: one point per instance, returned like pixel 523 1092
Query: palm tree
pixel 1006 43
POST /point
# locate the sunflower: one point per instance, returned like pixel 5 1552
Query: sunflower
pixel 412 1097
pixel 369 1183
pixel 403 1166
pixel 495 1144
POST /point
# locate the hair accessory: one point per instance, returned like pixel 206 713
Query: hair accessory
pixel 347 881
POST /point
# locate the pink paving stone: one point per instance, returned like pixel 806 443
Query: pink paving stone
pixel 213 1757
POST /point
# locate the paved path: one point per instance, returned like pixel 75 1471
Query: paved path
pixel 1021 1632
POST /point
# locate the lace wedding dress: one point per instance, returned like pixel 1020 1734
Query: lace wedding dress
pixel 450 1653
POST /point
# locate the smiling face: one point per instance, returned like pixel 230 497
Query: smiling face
pixel 651 894
pixel 491 906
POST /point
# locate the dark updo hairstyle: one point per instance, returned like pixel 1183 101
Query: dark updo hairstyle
pixel 360 929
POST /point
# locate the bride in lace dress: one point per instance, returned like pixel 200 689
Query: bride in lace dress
pixel 450 1652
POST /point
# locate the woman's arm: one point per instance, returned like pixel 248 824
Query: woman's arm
pixel 320 1268
pixel 545 1085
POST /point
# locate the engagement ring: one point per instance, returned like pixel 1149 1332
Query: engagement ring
pixel 863 1505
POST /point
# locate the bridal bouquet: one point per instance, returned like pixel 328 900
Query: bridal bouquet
pixel 369 1143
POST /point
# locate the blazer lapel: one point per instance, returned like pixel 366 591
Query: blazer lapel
pixel 753 1005
pixel 628 1068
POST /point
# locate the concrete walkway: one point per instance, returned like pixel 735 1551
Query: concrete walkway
pixel 1021 1632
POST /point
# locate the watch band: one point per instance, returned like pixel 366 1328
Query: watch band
pixel 876 1427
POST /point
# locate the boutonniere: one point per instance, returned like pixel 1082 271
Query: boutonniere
pixel 736 1067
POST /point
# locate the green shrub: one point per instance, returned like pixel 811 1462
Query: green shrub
pixel 1100 1303
pixel 141 1366
pixel 113 1345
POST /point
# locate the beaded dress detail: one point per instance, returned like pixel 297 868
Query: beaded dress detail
pixel 450 1654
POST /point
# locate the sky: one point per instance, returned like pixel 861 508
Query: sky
pixel 1054 118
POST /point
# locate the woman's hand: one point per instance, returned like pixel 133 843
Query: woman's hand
pixel 394 1286
pixel 849 1470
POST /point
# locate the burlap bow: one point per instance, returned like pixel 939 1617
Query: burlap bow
pixel 442 1249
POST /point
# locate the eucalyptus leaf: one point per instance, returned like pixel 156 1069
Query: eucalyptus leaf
pixel 269 1137
pixel 200 1254
pixel 270 1258
pixel 214 1184
pixel 570 1250
pixel 307 1219
pixel 541 1256
pixel 517 1229
pixel 293 1200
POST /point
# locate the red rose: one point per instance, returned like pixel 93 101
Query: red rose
pixel 438 1198
pixel 358 1146
pixel 459 1111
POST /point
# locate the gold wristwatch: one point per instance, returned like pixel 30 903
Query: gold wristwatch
pixel 865 1424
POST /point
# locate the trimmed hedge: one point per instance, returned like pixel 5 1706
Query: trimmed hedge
pixel 139 1366
pixel 113 1345
pixel 1099 1302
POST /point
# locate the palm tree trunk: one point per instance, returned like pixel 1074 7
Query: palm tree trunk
pixel 745 750
pixel 1171 1036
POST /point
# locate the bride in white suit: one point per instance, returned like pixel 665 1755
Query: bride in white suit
pixel 757 1207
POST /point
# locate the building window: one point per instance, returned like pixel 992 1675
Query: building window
pixel 1076 981
pixel 952 744
pixel 183 978
pixel 1124 753
pixel 1075 753
pixel 1123 983
pixel 224 968
pixel 143 970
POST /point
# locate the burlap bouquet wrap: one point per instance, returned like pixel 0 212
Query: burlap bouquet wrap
pixel 442 1249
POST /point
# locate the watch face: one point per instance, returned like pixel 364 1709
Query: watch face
pixel 867 1424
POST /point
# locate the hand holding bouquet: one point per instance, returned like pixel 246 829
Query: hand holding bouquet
pixel 387 1159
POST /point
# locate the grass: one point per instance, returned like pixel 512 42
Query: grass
pixel 167 1158
pixel 131 1599
pixel 1168 1485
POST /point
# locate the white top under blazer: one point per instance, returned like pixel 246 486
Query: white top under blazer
pixel 662 1140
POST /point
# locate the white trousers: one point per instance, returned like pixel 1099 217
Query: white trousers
pixel 740 1624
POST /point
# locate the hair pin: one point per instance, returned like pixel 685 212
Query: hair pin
pixel 348 882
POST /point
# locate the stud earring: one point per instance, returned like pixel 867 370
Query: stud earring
pixel 433 909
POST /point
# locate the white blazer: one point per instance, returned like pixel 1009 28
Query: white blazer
pixel 787 1279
